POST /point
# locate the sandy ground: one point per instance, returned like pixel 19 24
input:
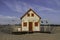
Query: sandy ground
pixel 33 36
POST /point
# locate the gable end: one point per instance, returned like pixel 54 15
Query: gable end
pixel 27 13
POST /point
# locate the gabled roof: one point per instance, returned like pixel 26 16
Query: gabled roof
pixel 27 13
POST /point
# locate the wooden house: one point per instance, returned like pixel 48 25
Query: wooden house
pixel 30 21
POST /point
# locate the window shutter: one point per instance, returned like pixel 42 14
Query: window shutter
pixel 36 23
pixel 24 23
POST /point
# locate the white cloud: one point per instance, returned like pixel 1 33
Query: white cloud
pixel 57 2
pixel 10 5
pixel 21 7
pixel 2 16
pixel 9 20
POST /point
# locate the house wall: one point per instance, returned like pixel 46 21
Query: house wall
pixel 36 28
pixel 24 28
pixel 30 19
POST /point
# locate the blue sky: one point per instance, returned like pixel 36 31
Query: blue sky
pixel 12 10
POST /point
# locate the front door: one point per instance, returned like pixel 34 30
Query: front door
pixel 30 26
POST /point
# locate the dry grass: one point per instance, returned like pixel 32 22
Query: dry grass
pixel 55 35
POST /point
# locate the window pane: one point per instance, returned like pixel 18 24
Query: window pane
pixel 32 15
pixel 25 24
pixel 36 23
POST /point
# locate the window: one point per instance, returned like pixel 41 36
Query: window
pixel 28 15
pixel 25 24
pixel 32 15
pixel 36 23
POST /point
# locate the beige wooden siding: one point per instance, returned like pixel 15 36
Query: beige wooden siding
pixel 26 18
pixel 30 19
pixel 25 28
pixel 36 28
